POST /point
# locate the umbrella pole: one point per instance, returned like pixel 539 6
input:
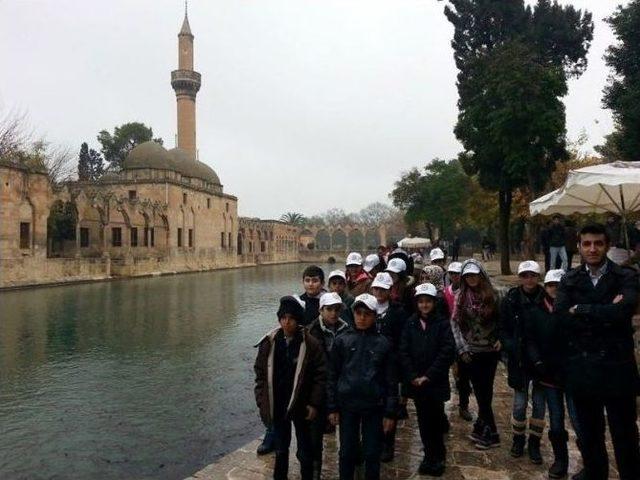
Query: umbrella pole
pixel 624 219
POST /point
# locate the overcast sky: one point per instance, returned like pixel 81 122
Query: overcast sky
pixel 305 104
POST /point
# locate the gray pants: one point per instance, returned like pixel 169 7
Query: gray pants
pixel 553 254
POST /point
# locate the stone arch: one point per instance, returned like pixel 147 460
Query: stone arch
pixel 61 228
pixel 26 226
pixel 323 240
pixel 338 240
pixel 356 240
pixel 372 239
pixel 307 239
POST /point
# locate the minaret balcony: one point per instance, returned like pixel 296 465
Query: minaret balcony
pixel 185 82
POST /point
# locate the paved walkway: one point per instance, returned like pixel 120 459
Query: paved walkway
pixel 463 460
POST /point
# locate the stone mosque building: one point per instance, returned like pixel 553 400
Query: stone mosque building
pixel 165 211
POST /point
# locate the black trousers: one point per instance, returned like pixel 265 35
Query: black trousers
pixel 482 371
pixel 622 416
pixel 463 383
pixel 351 424
pixel 430 412
pixel 282 431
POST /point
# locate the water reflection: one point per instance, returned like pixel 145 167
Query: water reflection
pixel 132 379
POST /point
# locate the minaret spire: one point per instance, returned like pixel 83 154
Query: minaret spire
pixel 186 83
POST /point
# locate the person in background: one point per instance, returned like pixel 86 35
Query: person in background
pixel 455 248
pixel 357 279
pixel 362 390
pixel 427 350
pixel 383 253
pixel 557 241
pixel 372 265
pixel 571 241
pixel 475 330
pixel 595 302
pixel 290 386
pixel 325 329
pixel 337 283
pixel 436 257
pixel 517 305
pixel 544 245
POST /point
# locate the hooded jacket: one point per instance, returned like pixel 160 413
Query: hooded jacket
pixel 327 336
pixel 309 381
pixel 473 331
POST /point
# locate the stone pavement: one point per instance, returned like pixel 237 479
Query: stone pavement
pixel 463 460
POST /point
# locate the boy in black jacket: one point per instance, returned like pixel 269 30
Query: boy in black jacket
pixel 362 390
pixel 427 350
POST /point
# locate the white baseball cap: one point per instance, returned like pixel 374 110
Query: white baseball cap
pixel 436 254
pixel 454 267
pixel 337 273
pixel 330 299
pixel 371 262
pixel 529 266
pixel 396 265
pixel 426 289
pixel 383 280
pixel 553 276
pixel 354 258
pixel 366 299
pixel 470 268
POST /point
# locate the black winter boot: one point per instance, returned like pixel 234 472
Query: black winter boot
pixel 517 449
pixel 533 448
pixel 561 455
pixel 579 476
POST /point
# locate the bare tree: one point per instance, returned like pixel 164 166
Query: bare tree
pixel 14 133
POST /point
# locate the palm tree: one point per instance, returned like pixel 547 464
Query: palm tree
pixel 293 218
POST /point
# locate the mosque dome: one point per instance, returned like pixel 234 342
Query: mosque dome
pixel 152 155
pixel 190 167
pixel 148 155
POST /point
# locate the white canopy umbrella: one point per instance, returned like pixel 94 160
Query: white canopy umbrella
pixel 606 188
pixel 414 242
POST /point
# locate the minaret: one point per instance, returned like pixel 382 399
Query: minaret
pixel 186 83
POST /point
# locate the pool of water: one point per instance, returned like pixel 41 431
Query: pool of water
pixel 144 378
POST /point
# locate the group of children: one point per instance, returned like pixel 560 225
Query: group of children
pixel 350 357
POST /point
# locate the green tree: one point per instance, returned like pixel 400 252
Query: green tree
pixel 437 198
pixel 90 163
pixel 622 94
pixel 514 62
pixel 116 146
pixel 293 218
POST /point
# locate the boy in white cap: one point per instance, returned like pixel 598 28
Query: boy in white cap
pixel 372 265
pixel 326 329
pixel 436 257
pixel 357 279
pixel 427 350
pixel 528 295
pixel 545 349
pixel 337 282
pixel 390 320
pixel 362 396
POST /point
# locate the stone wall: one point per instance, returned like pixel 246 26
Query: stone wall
pixel 18 272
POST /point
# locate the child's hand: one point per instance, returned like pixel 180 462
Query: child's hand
pixel 419 381
pixel 388 424
pixel 334 419
pixel 312 412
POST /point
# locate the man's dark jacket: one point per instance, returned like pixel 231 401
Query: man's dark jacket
pixel 429 352
pixel 514 309
pixel 600 351
pixel 362 374
pixel 309 382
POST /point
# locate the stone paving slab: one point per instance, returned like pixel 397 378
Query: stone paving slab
pixel 464 462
